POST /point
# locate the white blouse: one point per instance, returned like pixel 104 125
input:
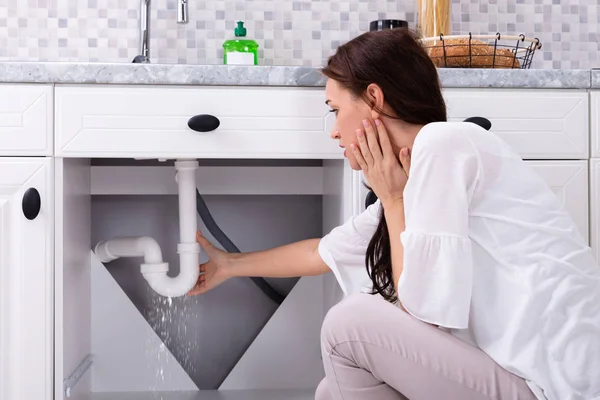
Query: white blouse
pixel 491 256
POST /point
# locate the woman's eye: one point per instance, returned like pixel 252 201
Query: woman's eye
pixel 334 111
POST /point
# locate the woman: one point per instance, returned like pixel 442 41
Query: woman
pixel 479 285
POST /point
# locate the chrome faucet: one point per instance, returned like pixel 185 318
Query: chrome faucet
pixel 144 50
pixel 182 11
pixel 144 54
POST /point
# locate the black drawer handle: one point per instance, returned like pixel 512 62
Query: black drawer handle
pixel 32 203
pixel 482 122
pixel 204 123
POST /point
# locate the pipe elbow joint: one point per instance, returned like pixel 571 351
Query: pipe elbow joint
pixel 151 250
pixel 189 271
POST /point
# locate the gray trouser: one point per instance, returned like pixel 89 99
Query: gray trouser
pixel 374 350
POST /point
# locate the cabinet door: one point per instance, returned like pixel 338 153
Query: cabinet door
pixel 595 122
pixel 595 206
pixel 569 180
pixel 26 120
pixel 25 279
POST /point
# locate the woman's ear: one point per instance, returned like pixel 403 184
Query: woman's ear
pixel 376 100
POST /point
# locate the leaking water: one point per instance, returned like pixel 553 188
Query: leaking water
pixel 169 318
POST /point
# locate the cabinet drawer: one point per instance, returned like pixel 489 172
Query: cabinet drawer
pixel 25 120
pixel 135 121
pixel 537 123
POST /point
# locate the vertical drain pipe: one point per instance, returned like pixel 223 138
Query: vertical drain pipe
pixel 188 248
pixel 188 217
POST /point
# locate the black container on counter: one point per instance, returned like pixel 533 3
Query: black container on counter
pixel 383 24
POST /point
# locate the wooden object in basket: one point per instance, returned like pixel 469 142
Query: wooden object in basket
pixel 434 17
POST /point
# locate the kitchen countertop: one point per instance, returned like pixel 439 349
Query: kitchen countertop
pixel 174 74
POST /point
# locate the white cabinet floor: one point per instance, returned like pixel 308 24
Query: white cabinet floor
pixel 287 394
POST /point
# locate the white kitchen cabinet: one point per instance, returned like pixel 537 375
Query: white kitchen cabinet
pixel 95 317
pixel 141 121
pixel 26 120
pixel 569 181
pixel 595 206
pixel 595 123
pixel 536 123
pixel 26 249
pixel 549 128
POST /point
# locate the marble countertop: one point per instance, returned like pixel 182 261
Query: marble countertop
pixel 173 74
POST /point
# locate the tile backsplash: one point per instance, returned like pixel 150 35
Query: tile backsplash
pixel 289 32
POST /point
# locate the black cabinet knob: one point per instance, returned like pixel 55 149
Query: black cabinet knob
pixel 32 203
pixel 482 122
pixel 204 123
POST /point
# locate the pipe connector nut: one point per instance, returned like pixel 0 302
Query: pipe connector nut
pixel 188 248
pixel 154 268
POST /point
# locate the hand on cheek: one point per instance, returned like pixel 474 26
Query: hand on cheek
pixel 385 171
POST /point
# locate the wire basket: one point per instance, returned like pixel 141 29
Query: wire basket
pixel 481 51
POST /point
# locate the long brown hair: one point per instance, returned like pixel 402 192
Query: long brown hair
pixel 396 61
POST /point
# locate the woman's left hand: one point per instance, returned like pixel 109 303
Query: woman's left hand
pixel 385 171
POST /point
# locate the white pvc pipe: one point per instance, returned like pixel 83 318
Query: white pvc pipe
pixel 179 285
pixel 186 182
pixel 130 246
pixel 154 269
pixel 187 248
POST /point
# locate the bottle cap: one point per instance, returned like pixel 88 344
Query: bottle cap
pixel 240 30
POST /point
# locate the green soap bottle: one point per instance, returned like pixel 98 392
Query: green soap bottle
pixel 240 51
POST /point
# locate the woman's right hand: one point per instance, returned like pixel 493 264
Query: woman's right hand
pixel 215 271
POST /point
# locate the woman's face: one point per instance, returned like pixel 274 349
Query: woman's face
pixel 349 112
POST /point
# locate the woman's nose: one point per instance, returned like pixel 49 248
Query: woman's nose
pixel 334 134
